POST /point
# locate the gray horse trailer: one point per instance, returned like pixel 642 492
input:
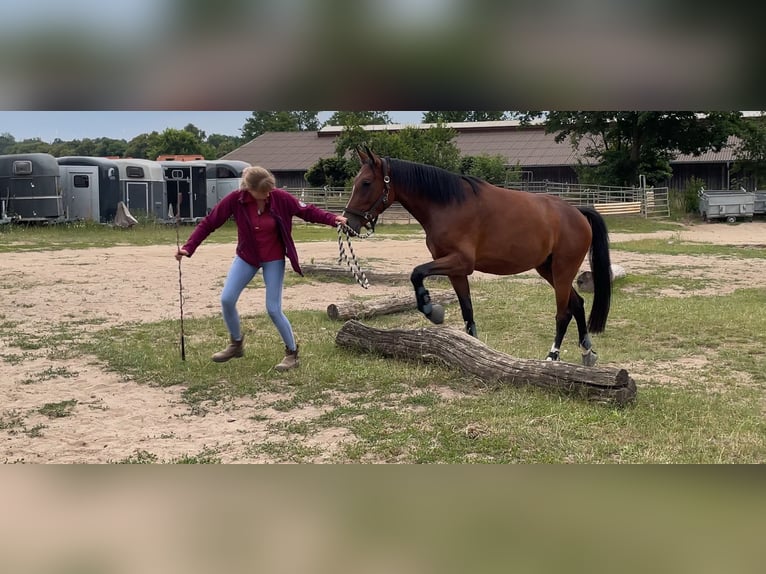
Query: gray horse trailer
pixel 90 188
pixel 223 177
pixel 29 188
pixel 142 187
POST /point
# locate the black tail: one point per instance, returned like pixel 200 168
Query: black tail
pixel 601 267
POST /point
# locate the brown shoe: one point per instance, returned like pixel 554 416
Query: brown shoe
pixel 235 349
pixel 290 361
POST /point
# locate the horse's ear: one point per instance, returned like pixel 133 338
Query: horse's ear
pixel 371 154
pixel 363 157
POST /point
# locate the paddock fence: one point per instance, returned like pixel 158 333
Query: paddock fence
pixel 649 202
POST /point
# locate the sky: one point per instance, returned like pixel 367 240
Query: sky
pixel 77 125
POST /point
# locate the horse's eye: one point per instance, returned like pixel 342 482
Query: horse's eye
pixel 366 183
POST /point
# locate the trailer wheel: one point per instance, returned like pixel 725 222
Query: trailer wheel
pixel 731 219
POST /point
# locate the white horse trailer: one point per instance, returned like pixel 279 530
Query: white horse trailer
pixel 223 177
pixel 90 188
pixel 143 187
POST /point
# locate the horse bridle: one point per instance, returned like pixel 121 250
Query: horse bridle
pixel 369 219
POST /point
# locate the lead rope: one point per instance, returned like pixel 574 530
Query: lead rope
pixel 353 264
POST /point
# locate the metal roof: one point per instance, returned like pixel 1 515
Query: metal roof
pixel 527 146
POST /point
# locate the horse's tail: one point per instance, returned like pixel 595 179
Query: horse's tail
pixel 601 267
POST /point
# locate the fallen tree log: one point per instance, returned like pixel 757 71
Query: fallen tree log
pixel 343 272
pixel 585 279
pixel 458 349
pixel 383 305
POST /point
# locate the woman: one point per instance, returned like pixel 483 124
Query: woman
pixel 264 217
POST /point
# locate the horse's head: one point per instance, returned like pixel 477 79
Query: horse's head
pixel 371 193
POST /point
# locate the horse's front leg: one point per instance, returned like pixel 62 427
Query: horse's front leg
pixel 451 265
pixel 433 311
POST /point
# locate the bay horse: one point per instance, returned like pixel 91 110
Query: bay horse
pixel 472 225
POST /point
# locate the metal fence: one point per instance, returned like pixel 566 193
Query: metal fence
pixel 652 202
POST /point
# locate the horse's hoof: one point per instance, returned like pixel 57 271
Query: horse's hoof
pixel 436 316
pixel 589 359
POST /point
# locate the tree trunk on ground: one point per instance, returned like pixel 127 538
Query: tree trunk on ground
pixel 383 305
pixel 585 279
pixel 457 349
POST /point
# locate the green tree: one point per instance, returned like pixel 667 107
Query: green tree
pixel 627 144
pixel 173 141
pixel 6 141
pixel 331 171
pixel 491 168
pixel 348 119
pixel 434 117
pixel 140 145
pixel 222 144
pixel 285 121
pixel 750 167
pixel 433 146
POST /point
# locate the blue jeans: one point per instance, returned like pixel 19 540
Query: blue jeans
pixel 240 274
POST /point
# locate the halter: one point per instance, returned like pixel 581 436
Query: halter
pixel 369 219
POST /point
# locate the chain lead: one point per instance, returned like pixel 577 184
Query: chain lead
pixel 352 263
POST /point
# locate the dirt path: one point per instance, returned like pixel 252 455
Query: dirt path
pixel 94 288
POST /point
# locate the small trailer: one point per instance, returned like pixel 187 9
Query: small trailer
pixel 760 202
pixel 29 188
pixel 729 205
pixel 142 187
pixel 185 182
pixel 223 177
pixel 90 188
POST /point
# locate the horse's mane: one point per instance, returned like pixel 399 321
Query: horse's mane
pixel 435 183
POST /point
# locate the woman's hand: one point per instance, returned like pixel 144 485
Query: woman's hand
pixel 340 220
pixel 181 253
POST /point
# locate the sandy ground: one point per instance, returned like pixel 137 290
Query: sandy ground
pixel 114 417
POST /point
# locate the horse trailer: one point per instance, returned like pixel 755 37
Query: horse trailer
pixel 142 187
pixel 29 188
pixel 759 207
pixel 223 177
pixel 90 188
pixel 186 182
pixel 726 204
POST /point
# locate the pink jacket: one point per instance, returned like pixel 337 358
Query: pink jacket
pixel 282 207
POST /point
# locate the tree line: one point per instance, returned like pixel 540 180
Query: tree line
pixel 616 146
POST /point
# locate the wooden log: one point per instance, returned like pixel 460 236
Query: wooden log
pixel 458 349
pixel 342 272
pixel 363 309
pixel 585 279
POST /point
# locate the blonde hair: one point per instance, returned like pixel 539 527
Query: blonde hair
pixel 257 178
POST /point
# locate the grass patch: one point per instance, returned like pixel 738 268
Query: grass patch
pixel 393 414
pixel 86 235
pixel 633 224
pixel 677 247
pixel 58 410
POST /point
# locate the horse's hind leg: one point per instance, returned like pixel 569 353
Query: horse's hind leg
pixel 563 312
pixel 577 307
pixel 463 291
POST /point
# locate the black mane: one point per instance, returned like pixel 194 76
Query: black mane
pixel 435 183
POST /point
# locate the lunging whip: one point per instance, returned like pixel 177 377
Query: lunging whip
pixel 180 282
